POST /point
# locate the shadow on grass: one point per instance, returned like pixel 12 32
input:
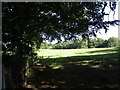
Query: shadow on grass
pixel 104 51
pixel 91 71
pixel 99 51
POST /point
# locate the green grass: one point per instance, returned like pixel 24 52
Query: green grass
pixel 61 57
pixel 56 53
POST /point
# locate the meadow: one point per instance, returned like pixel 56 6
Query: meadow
pixel 76 68
pixel 60 57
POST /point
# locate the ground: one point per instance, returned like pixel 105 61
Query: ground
pixel 75 68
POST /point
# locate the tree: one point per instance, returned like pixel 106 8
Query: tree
pixel 101 43
pixel 112 42
pixel 26 25
pixel 118 42
pixel 45 45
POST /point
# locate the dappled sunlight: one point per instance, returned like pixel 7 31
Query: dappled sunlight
pixel 57 67
pixel 48 86
pixel 74 75
pixel 82 71
pixel 84 64
pixel 89 63
pixel 95 66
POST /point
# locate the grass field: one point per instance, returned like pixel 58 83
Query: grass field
pixel 60 57
pixel 54 53
pixel 76 68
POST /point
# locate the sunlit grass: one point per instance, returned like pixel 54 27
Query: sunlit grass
pixel 55 53
pixel 58 58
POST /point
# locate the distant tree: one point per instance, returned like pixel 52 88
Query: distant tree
pixel 95 43
pixel 104 44
pixel 45 45
pixel 84 44
pixel 112 42
pixel 118 42
pixel 101 43
pixel 76 44
pixel 57 46
pixel 92 43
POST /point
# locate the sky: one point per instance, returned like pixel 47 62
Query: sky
pixel 113 30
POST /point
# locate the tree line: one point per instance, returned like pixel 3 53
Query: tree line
pixel 83 43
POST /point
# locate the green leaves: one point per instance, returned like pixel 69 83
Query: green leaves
pixel 113 42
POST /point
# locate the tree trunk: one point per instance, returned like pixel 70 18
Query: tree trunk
pixel 88 42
